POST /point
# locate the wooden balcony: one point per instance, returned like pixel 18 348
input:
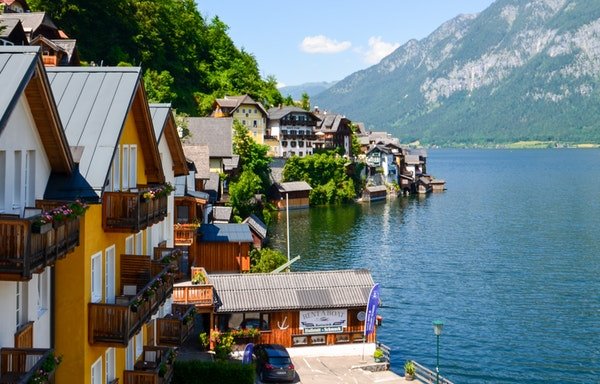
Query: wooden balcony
pixel 185 234
pixel 200 295
pixel 50 60
pixel 174 329
pixel 156 367
pixel 114 324
pixel 131 211
pixel 20 365
pixel 26 248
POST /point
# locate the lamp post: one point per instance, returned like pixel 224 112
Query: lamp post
pixel 437 329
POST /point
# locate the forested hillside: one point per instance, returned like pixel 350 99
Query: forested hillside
pixel 187 60
pixel 521 70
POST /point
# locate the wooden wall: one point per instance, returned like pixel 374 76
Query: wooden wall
pixel 220 257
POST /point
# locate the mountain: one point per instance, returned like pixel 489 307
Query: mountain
pixel 311 89
pixel 519 70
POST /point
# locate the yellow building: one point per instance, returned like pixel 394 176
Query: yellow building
pixel 118 282
pixel 250 113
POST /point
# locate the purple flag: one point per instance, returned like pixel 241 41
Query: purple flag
pixel 371 314
pixel 247 359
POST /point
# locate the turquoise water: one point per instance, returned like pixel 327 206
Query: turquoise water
pixel 508 258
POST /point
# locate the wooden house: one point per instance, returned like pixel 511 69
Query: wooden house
pixel 258 230
pixel 296 308
pixel 295 192
pixel 33 152
pixel 222 248
pixel 332 132
pixel 374 193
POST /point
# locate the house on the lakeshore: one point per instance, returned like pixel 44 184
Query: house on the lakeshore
pixel 333 131
pixel 291 131
pixel 296 193
pixel 374 193
pixel 382 159
pixel 33 152
pixel 119 283
pixel 295 309
pixel 222 248
pixel 252 114
pixel 258 230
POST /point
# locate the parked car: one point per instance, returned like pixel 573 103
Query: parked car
pixel 273 363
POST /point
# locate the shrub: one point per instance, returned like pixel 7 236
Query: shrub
pixel 201 372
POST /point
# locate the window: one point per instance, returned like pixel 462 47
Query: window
pixel 114 183
pixel 129 245
pixel 139 246
pixel 244 122
pixel 21 306
pixel 42 292
pixel 284 143
pixel 109 356
pixel 125 177
pixel 129 355
pixel 97 277
pixel 255 124
pixel 243 110
pixel 17 183
pixel 293 144
pixel 255 111
pixel 97 371
pixel 139 344
pixel 2 177
pixel 301 144
pixel 29 178
pixel 300 153
pixel 109 275
pixel 132 166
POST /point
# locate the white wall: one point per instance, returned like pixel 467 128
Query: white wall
pixel 167 163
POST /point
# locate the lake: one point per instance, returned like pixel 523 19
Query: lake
pixel 508 257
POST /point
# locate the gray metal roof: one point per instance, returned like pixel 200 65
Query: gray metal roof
pixel 231 163
pixel 31 20
pixel 221 214
pixel 93 103
pixel 236 101
pixel 376 188
pixel 17 66
pixel 293 290
pixel 412 159
pixel 226 233
pixel 293 186
pixel 212 131
pixel 256 225
pixel 277 113
pixel 159 114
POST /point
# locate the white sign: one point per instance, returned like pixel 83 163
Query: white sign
pixel 324 318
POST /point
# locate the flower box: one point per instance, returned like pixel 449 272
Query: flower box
pixel 41 227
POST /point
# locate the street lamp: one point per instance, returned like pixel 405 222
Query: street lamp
pixel 437 329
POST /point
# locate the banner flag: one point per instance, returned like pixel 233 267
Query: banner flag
pixel 371 314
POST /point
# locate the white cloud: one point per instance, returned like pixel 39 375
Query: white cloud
pixel 280 85
pixel 323 44
pixel 378 49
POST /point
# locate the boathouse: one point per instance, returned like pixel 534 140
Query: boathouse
pixel 222 248
pixel 297 193
pixel 295 308
pixel 374 193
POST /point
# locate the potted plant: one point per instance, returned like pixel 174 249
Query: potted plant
pixel 198 278
pixel 409 371
pixel 378 355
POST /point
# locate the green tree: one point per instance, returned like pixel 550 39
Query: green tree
pixel 253 156
pixel 242 192
pixel 305 101
pixel 268 260
pixel 158 86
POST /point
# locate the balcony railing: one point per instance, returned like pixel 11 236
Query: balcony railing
pixel 114 324
pixel 200 295
pixel 131 211
pixel 20 365
pixel 156 367
pixel 26 247
pixel 185 234
pixel 50 60
pixel 293 122
pixel 174 329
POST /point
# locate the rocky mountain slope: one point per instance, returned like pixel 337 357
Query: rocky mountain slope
pixel 520 70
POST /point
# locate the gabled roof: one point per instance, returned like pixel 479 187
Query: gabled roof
pixel 226 233
pixel 235 102
pixel 67 46
pixel 212 131
pixel 221 214
pixel 292 290
pixel 379 148
pixel 212 186
pixel 12 30
pixel 412 159
pixel 94 103
pixel 231 163
pixel 165 128
pixel 331 122
pixel 22 72
pixel 198 154
pixel 32 21
pixel 376 188
pixel 293 186
pixel 277 113
pixel 256 225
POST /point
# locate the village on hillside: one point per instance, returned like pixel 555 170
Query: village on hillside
pixel 117 241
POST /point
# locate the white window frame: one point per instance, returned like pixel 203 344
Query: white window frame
pixel 96 372
pixel 129 355
pixel 139 344
pixel 96 278
pixel 110 255
pixel 29 179
pixel 3 177
pixel 18 182
pixel 42 292
pixel 115 171
pixel 133 166
pixel 129 245
pixel 139 243
pixel 19 302
pixel 110 368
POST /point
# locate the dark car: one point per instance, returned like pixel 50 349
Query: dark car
pixel 273 363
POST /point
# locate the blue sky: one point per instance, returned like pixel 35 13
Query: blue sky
pixel 326 40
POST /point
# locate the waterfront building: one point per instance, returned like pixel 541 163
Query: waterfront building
pixel 223 248
pixel 333 131
pixel 34 152
pixel 119 277
pixel 290 131
pixel 243 108
pixel 258 230
pixel 296 193
pixel 381 160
